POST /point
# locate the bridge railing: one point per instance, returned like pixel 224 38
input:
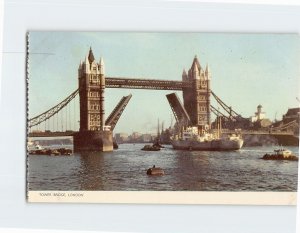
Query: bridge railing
pixel 228 131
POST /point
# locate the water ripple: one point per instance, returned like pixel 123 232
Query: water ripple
pixel 125 169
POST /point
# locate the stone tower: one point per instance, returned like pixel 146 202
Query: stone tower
pixel 92 135
pixel 91 92
pixel 197 98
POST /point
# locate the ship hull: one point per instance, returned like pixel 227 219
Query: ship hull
pixel 213 145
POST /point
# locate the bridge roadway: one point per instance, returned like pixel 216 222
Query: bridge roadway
pixel 51 134
pixel 151 84
pixel 71 133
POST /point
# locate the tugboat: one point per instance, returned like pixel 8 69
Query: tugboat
pixel 280 154
pixel 156 146
pixel 155 171
pixel 151 148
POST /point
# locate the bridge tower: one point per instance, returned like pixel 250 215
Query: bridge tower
pixel 92 134
pixel 197 98
pixel 91 81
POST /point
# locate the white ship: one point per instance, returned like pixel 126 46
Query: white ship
pixel 190 139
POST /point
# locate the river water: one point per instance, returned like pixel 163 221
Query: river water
pixel 125 169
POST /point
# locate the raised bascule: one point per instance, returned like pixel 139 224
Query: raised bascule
pixel 95 132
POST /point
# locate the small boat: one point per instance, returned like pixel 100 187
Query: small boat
pixel 150 148
pixel 155 171
pixel 55 152
pixel 38 147
pixel 35 147
pixel 280 154
pixel 60 151
pixel 64 151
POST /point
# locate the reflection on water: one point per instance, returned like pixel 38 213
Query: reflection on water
pixel 125 169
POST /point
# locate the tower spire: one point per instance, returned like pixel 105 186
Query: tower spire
pixel 207 71
pixel 195 69
pixel 196 63
pixel 184 75
pixel 87 64
pixel 91 56
pixel 102 67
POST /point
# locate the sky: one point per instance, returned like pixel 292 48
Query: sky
pixel 247 70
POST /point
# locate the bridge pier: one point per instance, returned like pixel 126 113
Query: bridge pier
pixel 93 141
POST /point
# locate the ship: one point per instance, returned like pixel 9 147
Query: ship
pixel 191 139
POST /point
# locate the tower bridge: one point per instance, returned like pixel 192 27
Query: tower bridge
pixel 95 133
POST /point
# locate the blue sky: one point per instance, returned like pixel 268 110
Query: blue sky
pixel 247 70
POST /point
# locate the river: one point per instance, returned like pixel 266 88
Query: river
pixel 125 169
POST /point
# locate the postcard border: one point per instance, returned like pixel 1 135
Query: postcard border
pixel 165 197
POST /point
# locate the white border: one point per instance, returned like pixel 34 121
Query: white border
pixel 258 2
pixel 165 197
pixel 21 16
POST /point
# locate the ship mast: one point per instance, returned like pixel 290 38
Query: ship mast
pixel 220 125
pixel 158 133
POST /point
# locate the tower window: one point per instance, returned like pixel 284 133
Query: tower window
pixel 201 97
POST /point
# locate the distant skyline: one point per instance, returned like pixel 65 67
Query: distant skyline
pixel 247 70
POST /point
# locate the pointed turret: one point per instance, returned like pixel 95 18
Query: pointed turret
pixel 91 56
pixel 87 64
pixel 207 72
pixel 184 75
pixel 196 63
pixel 195 68
pixel 101 66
